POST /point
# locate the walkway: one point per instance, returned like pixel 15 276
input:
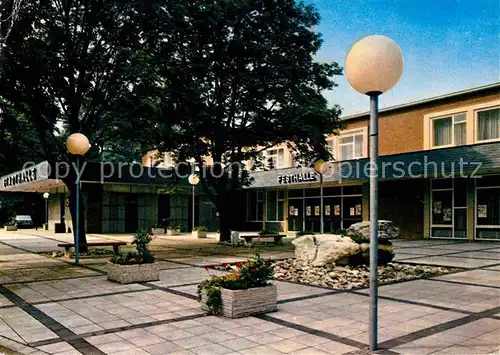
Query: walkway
pixel 48 306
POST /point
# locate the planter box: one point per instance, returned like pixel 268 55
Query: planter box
pixel 244 303
pixel 199 234
pixel 158 230
pixel 11 228
pixel 173 231
pixel 126 274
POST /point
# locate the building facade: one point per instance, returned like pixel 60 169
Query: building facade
pixel 439 173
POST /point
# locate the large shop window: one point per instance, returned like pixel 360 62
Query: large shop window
pixel 449 131
pixel 449 208
pixel 351 146
pixel 488 213
pixel 255 206
pixel 275 205
pixel 488 124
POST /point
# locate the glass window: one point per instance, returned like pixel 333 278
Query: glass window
pixel 255 206
pixel 442 184
pixel 442 207
pixel 351 147
pixel 450 130
pixel 488 124
pixel 442 131
pixel 275 158
pixel 460 190
pixel 295 193
pixel 272 203
pixel 353 190
pixel 251 206
pixel 330 144
pixel 488 207
pixel 313 192
pixel 332 191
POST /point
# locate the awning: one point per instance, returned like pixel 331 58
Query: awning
pixel 36 178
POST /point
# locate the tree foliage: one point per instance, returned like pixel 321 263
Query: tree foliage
pixel 72 66
pixel 239 77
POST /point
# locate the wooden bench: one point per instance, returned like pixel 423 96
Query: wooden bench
pixel 68 247
pixel 248 237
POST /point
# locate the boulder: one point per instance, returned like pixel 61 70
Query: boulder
pixel 325 249
pixel 360 232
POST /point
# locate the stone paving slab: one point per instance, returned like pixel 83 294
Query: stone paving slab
pixel 90 315
pixel 450 261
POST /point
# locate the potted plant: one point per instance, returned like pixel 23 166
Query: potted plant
pixel 245 291
pixel 11 225
pixel 138 266
pixel 159 228
pixel 200 232
pixel 173 228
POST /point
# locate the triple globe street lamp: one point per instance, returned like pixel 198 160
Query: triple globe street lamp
pixel 77 144
pixel 373 66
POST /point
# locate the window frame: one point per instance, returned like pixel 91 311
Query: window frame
pixel 276 156
pixel 453 123
pixel 352 134
pixel 260 198
pixel 476 125
pixel 278 200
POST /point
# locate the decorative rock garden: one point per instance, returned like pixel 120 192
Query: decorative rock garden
pixel 351 277
pixel 341 261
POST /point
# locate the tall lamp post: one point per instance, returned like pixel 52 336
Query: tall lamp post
pixel 77 144
pixel 193 180
pixel 321 167
pixel 373 66
pixel 46 197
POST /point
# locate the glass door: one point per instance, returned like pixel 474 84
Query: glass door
pixel 295 213
pixel 332 214
pixel 313 215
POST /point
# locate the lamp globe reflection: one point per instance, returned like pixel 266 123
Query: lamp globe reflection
pixel 194 179
pixel 320 166
pixel 374 64
pixel 77 144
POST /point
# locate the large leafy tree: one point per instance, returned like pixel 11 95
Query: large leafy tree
pixel 73 66
pixel 238 77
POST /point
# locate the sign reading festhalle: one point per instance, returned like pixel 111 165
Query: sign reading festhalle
pixel 297 178
pixel 31 174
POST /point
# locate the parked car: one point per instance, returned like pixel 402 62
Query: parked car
pixel 24 221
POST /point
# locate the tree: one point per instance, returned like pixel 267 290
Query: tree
pixel 237 77
pixel 73 66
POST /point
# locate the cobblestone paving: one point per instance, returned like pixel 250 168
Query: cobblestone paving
pixel 49 306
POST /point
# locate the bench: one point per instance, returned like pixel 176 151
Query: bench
pixel 248 237
pixel 68 247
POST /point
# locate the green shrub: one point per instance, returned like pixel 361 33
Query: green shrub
pixel 142 255
pixel 200 229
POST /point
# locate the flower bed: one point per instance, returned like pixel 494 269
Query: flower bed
pixel 349 277
pixel 245 291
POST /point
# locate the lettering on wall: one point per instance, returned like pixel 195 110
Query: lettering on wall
pixel 21 177
pixel 297 178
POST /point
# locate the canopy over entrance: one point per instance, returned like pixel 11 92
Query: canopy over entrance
pixel 36 178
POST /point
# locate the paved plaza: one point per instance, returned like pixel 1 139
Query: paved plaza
pixel 49 306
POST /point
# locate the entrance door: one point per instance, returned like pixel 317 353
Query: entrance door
pixel 295 213
pixel 131 213
pixel 313 215
pixel 332 214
